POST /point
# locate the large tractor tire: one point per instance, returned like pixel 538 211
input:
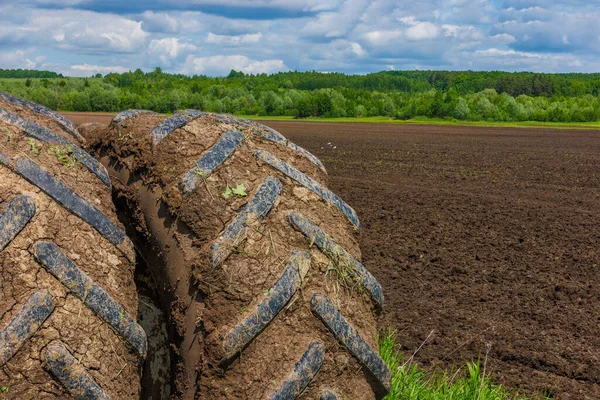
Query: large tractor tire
pixel 68 302
pixel 257 262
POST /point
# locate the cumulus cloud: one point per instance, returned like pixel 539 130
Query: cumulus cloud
pixel 550 26
pixel 239 40
pixel 383 38
pixel 525 60
pixel 169 50
pixel 422 31
pixel 18 59
pixel 221 65
pixel 501 39
pixel 357 49
pixel 75 30
pixel 121 37
pixel 469 12
pixel 82 70
pixel 335 24
pixel 87 69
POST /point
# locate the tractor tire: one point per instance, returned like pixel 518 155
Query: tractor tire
pixel 68 300
pixel 256 261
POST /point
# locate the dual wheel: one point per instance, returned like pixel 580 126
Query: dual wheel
pixel 253 262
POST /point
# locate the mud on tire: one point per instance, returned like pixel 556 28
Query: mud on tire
pixel 258 262
pixel 67 297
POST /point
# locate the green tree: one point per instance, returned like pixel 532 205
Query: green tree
pixel 461 110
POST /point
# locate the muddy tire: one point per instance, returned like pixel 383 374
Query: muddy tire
pixel 257 260
pixel 68 301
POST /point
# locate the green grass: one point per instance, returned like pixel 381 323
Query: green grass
pixel 409 382
pixel 436 121
pixel 416 121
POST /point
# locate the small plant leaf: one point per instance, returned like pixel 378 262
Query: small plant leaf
pixel 33 147
pixel 227 193
pixel 240 190
pixel 64 154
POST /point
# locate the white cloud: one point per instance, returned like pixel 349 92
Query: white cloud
pixel 195 22
pixel 523 60
pixel 267 66
pixel 469 12
pixel 77 30
pixel 422 31
pixel 239 40
pixel 502 39
pixel 221 65
pixel 382 38
pixel 410 20
pixel 357 49
pixel 18 59
pixel 83 69
pixel 416 31
pixel 105 33
pixel 87 69
pixel 465 32
pixel 169 50
pixel 337 23
pixel 551 29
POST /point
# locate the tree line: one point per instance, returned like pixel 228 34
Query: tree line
pixel 464 95
pixel 28 73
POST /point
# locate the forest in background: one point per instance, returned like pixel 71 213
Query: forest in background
pixel 461 95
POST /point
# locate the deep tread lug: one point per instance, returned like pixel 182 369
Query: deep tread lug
pixel 124 115
pixel 211 160
pixel 75 204
pixel 333 250
pixel 347 335
pixel 245 331
pixel 273 136
pixel 255 209
pixel 265 132
pixel 194 113
pixel 73 376
pixel 24 325
pixel 303 373
pixel 92 295
pixel 170 124
pixel 18 213
pixel 6 160
pixel 67 125
pixel 46 135
pixel 309 183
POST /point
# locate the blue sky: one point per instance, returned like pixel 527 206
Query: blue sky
pixel 211 37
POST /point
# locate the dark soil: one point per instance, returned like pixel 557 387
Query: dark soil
pixel 480 237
